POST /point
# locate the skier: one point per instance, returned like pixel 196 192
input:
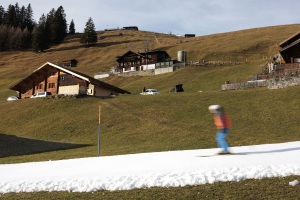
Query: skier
pixel 223 124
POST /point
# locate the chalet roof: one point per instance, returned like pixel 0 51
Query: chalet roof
pixel 72 72
pixel 290 40
pixel 154 52
pixel 129 53
pixel 290 45
pixel 143 54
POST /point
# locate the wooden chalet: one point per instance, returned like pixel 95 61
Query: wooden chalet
pixel 290 52
pixel 288 63
pixel 132 61
pixel 290 49
pixel 60 80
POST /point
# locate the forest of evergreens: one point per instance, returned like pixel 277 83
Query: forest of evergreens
pixel 19 31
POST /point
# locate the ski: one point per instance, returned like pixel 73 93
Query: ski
pixel 228 154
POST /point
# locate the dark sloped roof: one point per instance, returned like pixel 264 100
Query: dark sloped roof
pixel 290 45
pixel 119 58
pixel 290 40
pixel 74 73
pixel 143 54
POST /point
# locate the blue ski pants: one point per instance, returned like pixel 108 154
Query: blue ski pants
pixel 221 138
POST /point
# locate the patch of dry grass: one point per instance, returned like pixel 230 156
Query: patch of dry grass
pixel 251 45
pixel 178 121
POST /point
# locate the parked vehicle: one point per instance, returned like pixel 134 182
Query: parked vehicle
pixel 41 94
pixel 12 98
pixel 150 92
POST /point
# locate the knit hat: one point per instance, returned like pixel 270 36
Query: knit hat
pixel 214 108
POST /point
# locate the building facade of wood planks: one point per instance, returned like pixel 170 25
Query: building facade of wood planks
pixel 132 61
pixel 60 80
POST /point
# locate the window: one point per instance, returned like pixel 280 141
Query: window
pixel 51 85
pixel 52 73
pixel 62 78
pixel 40 86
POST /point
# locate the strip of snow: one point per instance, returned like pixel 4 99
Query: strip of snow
pixel 159 169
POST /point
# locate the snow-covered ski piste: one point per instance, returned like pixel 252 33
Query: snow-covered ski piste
pixel 158 169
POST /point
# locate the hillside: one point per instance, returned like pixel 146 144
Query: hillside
pixel 41 129
pixel 251 45
pixel 179 114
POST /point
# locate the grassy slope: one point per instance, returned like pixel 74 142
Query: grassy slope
pixel 129 122
pixel 248 189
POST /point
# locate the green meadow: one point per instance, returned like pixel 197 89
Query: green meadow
pixel 33 130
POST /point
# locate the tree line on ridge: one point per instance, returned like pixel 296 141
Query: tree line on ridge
pixel 19 31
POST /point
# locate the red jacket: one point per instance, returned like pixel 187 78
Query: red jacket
pixel 222 121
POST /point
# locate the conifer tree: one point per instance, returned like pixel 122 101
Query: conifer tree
pixel 40 40
pixel 22 15
pixel 28 21
pixel 2 15
pixel 50 27
pixel 10 17
pixel 72 27
pixel 18 18
pixel 89 36
pixel 59 25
